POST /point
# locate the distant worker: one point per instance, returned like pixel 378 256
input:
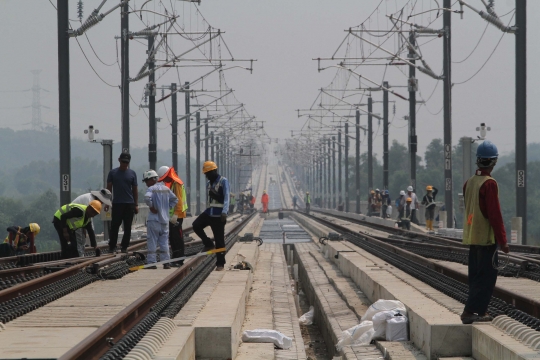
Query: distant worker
pixel 104 196
pixel 483 229
pixel 401 201
pixel 414 198
pixel 294 201
pixel 122 182
pixel 264 201
pixel 407 214
pixel 232 203
pixel 374 203
pixel 307 201
pixel 251 201
pixel 429 202
pixel 160 200
pixel 169 177
pixel 71 217
pixel 215 215
pixel 385 200
pixel 20 240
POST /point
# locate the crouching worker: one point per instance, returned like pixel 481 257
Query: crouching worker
pixel 19 240
pixel 71 217
pixel 215 214
pixel 160 199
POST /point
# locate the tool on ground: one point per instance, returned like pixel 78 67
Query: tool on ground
pixel 209 252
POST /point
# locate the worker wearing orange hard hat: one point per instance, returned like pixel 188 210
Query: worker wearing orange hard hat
pixel 71 217
pixel 215 215
pixel 264 200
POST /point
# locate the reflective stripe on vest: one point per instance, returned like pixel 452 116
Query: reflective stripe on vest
pixel 476 228
pixel 212 202
pixel 73 223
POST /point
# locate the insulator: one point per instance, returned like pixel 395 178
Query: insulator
pixel 425 30
pixel 91 21
pixel 494 20
pixel 80 10
pixel 144 33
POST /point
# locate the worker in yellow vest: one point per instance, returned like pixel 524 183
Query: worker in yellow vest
pixel 483 230
pixel 71 217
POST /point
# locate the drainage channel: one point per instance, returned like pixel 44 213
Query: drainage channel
pixel 286 230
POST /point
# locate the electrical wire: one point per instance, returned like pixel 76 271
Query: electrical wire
pixel 473 50
pixel 113 86
pixel 89 43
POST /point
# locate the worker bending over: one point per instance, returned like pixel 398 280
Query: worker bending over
pixel 177 215
pixel 104 196
pixel 215 215
pixel 483 229
pixel 71 217
pixel 160 199
pixel 20 240
pixel 429 202
pixel 264 201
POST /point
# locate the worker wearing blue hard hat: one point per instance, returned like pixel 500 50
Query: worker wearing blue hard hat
pixel 483 230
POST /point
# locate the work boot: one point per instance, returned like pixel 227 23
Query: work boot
pixel 124 251
pixel 220 268
pixel 166 266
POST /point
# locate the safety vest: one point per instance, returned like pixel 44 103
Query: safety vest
pixel 430 200
pixel 181 206
pixel 73 223
pixel 232 201
pixel 476 228
pixel 212 202
pixel 307 199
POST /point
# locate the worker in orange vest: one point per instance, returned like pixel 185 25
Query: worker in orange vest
pixel 264 201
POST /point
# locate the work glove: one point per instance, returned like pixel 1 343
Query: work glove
pixel 223 218
pixel 174 219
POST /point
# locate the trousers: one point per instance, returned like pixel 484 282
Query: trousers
pixel 80 235
pixel 218 229
pixel 430 213
pixel 176 239
pixel 68 249
pixel 121 213
pixel 157 235
pixel 482 278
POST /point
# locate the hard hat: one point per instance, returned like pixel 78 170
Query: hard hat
pixel 386 192
pixel 402 193
pixel 162 170
pixel 96 205
pixel 410 188
pixel 487 150
pixel 307 192
pixel 150 174
pixel 208 166
pixel 232 195
pixel 372 191
pixel 34 227
pixel 377 190
pixel 264 191
pixel 104 195
pixel 409 200
pixel 429 188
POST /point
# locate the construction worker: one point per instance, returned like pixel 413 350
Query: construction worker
pixel 374 202
pixel 429 202
pixel 264 201
pixel 71 217
pixel 160 200
pixel 483 230
pixel 401 201
pixel 19 240
pixel 171 180
pixel 251 201
pixel 407 214
pixel 215 214
pixel 232 203
pixel 294 201
pixel 307 201
pixel 412 195
pixel 104 196
pixel 122 182
pixel 385 200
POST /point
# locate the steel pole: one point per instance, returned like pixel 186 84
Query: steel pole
pixel 385 135
pixel 370 144
pixel 212 151
pixel 412 110
pixel 340 165
pixel 174 113
pixel 188 143
pixel 521 116
pixel 107 167
pixel 152 133
pixel 347 167
pixel 357 162
pixel 447 114
pixel 64 117
pixel 333 172
pixel 124 69
pixel 198 165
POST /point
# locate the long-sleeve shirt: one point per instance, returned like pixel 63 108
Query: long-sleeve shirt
pixel 429 201
pixel 77 213
pixel 217 211
pixel 161 198
pixel 490 206
pixel 265 199
pixel 18 243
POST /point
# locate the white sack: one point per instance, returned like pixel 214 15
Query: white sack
pixel 384 305
pixel 267 336
pixel 360 334
pixel 396 329
pixel 307 318
pixel 379 323
pixel 389 210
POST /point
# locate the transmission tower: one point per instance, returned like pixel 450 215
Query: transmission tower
pixel 36 102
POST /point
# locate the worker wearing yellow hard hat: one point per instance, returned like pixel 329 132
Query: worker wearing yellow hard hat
pixel 19 240
pixel 429 202
pixel 215 215
pixel 71 217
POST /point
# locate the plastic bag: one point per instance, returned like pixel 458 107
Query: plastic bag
pixel 360 334
pixel 267 336
pixel 384 305
pixel 379 323
pixel 396 329
pixel 389 211
pixel 307 318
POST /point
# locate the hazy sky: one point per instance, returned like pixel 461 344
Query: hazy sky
pixel 284 36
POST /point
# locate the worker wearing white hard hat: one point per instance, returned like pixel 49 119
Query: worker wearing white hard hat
pixel 414 202
pixel 400 203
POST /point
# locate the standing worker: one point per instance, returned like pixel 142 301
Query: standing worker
pixel 414 198
pixel 19 240
pixel 251 201
pixel 215 214
pixel 307 201
pixel 407 214
pixel 385 199
pixel 122 182
pixel 71 217
pixel 160 199
pixel 400 203
pixel 104 196
pixel 232 203
pixel 294 201
pixel 483 229
pixel 429 202
pixel 264 201
pixel 177 215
